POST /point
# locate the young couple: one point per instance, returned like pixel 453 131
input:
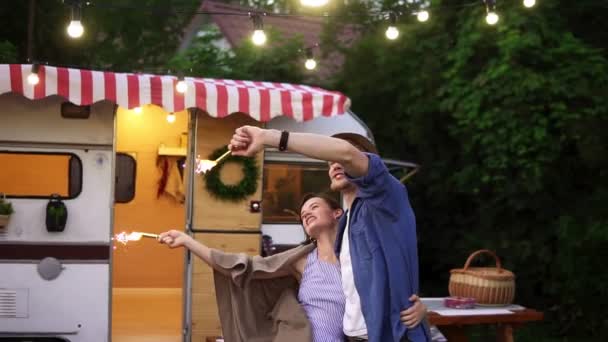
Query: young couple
pixel 359 279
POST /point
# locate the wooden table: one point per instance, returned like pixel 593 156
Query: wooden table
pixel 454 328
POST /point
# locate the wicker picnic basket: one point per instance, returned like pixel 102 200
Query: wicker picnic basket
pixel 488 285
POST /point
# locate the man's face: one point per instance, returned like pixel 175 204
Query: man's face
pixel 337 177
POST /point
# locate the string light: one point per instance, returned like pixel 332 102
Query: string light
pixel 75 28
pixel 258 37
pixel 392 32
pixel 491 16
pixel 314 3
pixel 422 16
pixel 310 63
pixel 171 118
pixel 33 78
pixel 137 110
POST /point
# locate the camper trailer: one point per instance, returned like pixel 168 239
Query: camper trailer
pixel 86 155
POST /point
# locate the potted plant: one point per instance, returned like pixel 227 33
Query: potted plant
pixel 6 209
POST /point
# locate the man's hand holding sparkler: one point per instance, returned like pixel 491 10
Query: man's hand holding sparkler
pixel 247 141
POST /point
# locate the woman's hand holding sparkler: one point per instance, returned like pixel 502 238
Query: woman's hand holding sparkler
pixel 176 238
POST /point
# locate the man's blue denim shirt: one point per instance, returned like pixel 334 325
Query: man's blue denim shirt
pixel 384 253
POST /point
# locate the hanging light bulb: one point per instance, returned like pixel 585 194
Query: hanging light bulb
pixel 75 29
pixel 137 110
pixel 310 63
pixel 491 16
pixel 392 32
pixel 314 3
pixel 422 16
pixel 181 86
pixel 171 117
pixel 258 37
pixel 33 78
pixel 529 3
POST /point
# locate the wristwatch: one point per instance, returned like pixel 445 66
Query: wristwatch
pixel 283 141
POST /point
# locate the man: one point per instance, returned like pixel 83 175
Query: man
pixel 376 242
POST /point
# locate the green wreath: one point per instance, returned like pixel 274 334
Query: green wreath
pixel 247 186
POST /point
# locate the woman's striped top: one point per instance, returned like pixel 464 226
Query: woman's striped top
pixel 322 298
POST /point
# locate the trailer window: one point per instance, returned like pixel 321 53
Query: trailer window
pixel 40 175
pixel 124 190
pixel 285 183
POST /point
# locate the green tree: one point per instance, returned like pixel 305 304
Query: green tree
pixel 508 124
pixel 528 98
pixel 8 53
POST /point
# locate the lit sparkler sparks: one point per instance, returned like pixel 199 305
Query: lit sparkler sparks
pixel 125 237
pixel 204 165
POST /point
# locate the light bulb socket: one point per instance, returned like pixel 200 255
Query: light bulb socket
pixel 35 67
pixel 490 5
pixel 392 18
pixel 309 53
pixel 258 23
pixel 76 11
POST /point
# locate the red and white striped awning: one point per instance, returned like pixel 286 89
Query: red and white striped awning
pixel 260 100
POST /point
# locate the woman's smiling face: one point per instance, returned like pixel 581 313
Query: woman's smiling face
pixel 316 215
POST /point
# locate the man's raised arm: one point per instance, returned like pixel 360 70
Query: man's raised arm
pixel 248 140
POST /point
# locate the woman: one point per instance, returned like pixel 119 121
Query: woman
pixel 318 272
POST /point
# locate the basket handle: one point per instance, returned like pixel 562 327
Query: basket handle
pixel 482 251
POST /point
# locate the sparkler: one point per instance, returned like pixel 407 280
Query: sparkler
pixel 204 165
pixel 125 237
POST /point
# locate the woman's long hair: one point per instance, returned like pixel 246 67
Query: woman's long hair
pixel 327 198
